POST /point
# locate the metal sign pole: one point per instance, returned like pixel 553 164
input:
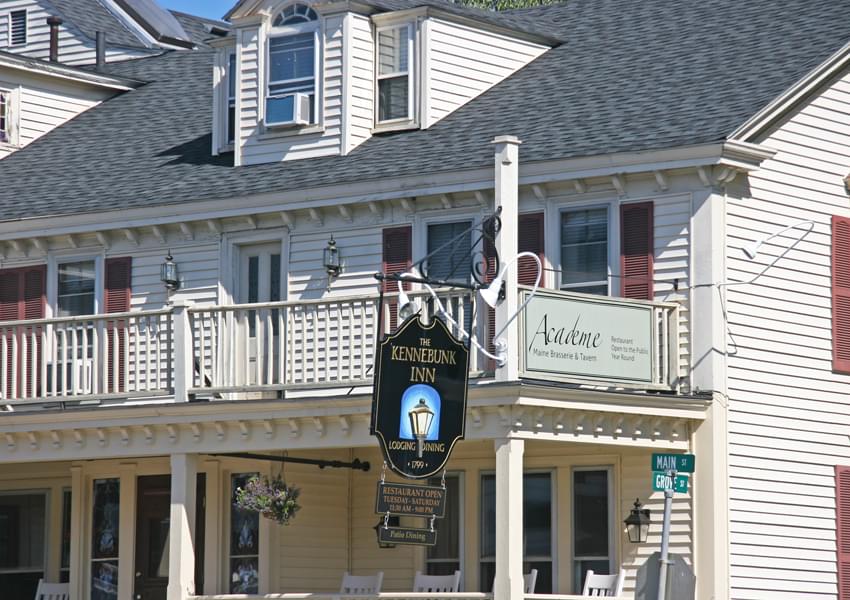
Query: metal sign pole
pixel 665 538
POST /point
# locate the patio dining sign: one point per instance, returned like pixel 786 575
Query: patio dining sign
pixel 577 338
pixel 419 398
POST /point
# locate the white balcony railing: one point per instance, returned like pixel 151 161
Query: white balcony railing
pixel 89 357
pixel 231 351
pixel 300 344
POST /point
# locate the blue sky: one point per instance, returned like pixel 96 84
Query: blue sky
pixel 213 9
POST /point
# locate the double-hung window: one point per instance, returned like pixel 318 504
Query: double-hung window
pixel 538 540
pixel 292 62
pixel 231 98
pixel 592 524
pixel 5 116
pixel 395 76
pixel 584 250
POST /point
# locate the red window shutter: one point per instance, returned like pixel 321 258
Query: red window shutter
pixel 10 310
pixel 117 300
pixel 841 296
pixel 530 240
pixel 33 304
pixel 34 299
pixel 842 529
pixel 397 258
pixel 10 295
pixel 636 248
pixel 117 288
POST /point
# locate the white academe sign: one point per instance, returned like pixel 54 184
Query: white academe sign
pixel 568 337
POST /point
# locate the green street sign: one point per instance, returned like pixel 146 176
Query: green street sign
pixel 683 463
pixel 662 482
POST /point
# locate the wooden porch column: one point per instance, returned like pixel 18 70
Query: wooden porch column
pixel 509 527
pixel 77 526
pixel 507 196
pixel 181 549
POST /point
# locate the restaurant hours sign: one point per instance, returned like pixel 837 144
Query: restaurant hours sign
pixel 419 398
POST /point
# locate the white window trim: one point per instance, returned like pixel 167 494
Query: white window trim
pixel 552 241
pixel 412 89
pixel 54 259
pixel 266 545
pixel 47 493
pixel 14 93
pixel 9 43
pixel 229 256
pixel 613 526
pixel 221 100
pixel 318 96
pixel 461 546
pixel 554 511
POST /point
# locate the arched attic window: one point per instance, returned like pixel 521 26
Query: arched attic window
pixel 293 57
pixel 294 14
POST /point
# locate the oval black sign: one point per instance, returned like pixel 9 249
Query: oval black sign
pixel 419 398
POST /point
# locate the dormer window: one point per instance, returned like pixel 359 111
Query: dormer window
pixel 394 74
pixel 292 71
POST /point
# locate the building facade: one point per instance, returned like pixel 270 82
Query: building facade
pixel 695 225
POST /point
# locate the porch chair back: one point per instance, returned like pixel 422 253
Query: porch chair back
pixel 436 583
pixel 603 585
pixel 361 584
pixel 530 581
pixel 52 591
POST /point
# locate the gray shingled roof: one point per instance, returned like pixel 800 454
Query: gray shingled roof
pixel 633 75
pixel 91 16
pixel 198 28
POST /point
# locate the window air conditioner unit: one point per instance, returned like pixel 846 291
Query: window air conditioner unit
pixel 288 109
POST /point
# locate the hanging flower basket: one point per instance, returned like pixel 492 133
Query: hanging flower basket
pixel 271 498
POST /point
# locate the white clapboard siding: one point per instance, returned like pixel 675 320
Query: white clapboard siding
pixel 312 553
pixel 671 232
pixel 256 145
pixel 360 87
pixel 637 483
pixel 787 409
pixel 41 103
pixel 325 341
pixel 199 274
pixel 74 47
pixel 463 62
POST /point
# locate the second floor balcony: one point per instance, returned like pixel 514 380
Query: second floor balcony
pixel 313 348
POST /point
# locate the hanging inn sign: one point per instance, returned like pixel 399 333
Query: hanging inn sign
pixel 419 399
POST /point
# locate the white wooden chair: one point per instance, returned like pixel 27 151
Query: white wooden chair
pixel 530 581
pixel 361 584
pixel 436 583
pixel 603 585
pixel 52 591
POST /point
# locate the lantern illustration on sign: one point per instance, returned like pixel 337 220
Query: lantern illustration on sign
pixel 421 417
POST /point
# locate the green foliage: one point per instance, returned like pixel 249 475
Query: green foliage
pixel 506 4
pixel 273 499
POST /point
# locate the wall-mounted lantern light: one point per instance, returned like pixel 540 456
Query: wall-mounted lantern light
pixel 168 273
pixel 332 262
pixel 637 523
pixel 421 417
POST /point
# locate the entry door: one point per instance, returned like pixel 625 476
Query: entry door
pixel 260 281
pixel 153 505
pixel 153 511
